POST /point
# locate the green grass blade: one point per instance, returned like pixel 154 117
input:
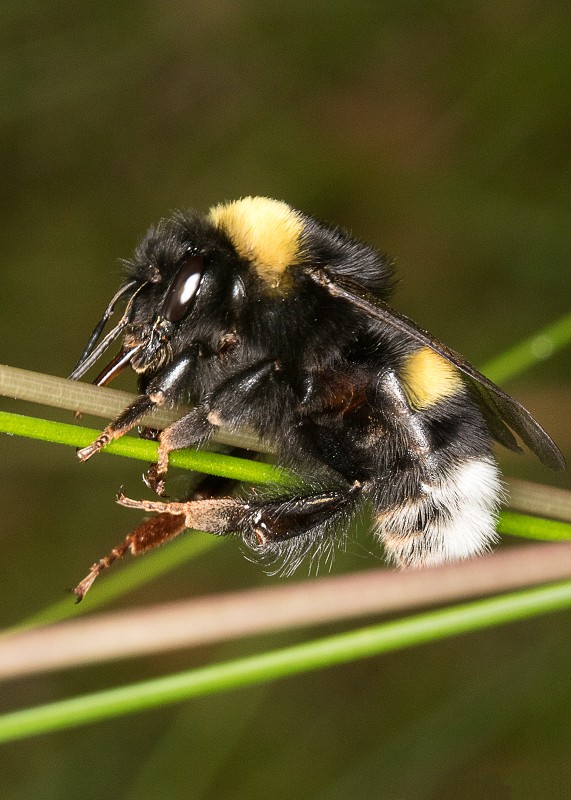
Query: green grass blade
pixel 548 530
pixel 325 652
pixel 241 469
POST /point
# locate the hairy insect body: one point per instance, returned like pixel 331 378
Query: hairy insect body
pixel 267 319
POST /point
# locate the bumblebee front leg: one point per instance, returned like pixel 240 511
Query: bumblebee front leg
pixel 224 407
pixel 158 392
pixel 120 426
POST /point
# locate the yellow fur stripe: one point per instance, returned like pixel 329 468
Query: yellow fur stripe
pixel 427 378
pixel 266 232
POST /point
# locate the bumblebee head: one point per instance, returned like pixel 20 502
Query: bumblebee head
pixel 186 264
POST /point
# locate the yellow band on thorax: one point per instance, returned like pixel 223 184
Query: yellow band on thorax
pixel 266 232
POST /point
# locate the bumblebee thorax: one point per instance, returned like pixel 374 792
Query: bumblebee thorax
pixel 265 232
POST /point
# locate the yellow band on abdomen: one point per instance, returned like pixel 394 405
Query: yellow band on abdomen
pixel 427 378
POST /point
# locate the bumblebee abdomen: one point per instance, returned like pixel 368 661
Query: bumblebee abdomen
pixel 437 486
pixel 451 516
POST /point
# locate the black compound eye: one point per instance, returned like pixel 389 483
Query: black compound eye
pixel 183 288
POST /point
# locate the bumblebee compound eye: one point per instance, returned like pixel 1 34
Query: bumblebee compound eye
pixel 183 288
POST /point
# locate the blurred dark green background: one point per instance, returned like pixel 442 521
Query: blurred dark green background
pixel 438 131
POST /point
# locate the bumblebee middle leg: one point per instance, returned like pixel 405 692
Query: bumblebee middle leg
pixel 230 404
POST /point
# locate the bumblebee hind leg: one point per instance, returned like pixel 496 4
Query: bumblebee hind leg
pixel 155 531
pixel 285 527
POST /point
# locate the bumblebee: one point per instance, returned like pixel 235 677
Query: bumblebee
pixel 264 318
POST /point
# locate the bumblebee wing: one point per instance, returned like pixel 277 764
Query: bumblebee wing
pixel 501 411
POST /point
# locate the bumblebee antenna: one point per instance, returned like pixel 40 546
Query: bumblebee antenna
pixel 92 353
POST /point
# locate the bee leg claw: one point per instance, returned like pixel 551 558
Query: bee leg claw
pixel 86 452
pixel 154 478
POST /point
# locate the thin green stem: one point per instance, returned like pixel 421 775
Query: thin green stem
pixel 100 401
pixel 225 466
pixel 539 499
pixel 198 460
pixel 548 530
pixel 273 665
